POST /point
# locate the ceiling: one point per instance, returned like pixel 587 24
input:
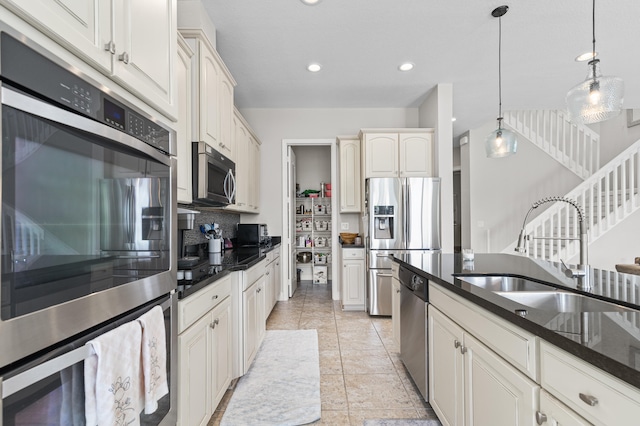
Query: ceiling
pixel 267 45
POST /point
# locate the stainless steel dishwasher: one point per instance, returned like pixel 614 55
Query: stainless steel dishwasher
pixel 413 331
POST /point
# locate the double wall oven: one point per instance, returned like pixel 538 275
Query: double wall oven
pixel 87 228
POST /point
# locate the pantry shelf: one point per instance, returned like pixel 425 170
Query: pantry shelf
pixel 313 233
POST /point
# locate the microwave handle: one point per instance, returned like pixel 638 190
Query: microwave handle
pixel 229 186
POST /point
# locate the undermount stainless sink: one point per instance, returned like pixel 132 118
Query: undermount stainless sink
pixel 561 301
pixel 504 283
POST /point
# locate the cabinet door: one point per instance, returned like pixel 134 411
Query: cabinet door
pixel 209 119
pixel 395 310
pixel 381 155
pixel 254 190
pixel 225 105
pixel 250 324
pixel 353 282
pixel 194 374
pixel 554 413
pixel 241 142
pixel 82 26
pixel 221 330
pixel 145 48
pixel 495 392
pixel 416 155
pixel 183 131
pixel 446 368
pixel 277 280
pixel 350 187
pixel 261 317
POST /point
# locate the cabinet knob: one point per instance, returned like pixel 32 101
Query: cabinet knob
pixel 214 323
pixel 124 57
pixel 540 417
pixel 259 290
pixel 588 399
pixel 463 350
pixel 214 297
pixel 110 47
pixel 456 344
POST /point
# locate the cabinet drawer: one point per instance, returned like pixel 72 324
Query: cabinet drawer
pixel 269 257
pixel 353 254
pixel 254 273
pixel 198 304
pixel 573 381
pixel 514 344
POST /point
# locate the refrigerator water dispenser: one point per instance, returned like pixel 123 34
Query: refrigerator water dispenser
pixel 383 220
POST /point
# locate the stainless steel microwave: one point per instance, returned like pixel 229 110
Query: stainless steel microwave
pixel 214 177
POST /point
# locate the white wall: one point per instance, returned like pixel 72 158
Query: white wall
pixel 437 112
pixel 615 137
pixel 618 245
pixel 272 125
pixel 501 190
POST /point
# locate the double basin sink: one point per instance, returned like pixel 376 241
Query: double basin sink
pixel 540 296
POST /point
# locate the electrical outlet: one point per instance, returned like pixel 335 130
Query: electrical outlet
pixel 344 226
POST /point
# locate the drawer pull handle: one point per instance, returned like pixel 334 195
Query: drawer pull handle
pixel 588 399
pixel 456 344
pixel 540 417
pixel 214 297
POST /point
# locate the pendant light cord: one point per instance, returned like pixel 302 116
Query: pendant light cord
pixel 593 26
pixel 500 71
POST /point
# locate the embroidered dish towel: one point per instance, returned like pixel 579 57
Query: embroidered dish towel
pixel 113 377
pixel 154 358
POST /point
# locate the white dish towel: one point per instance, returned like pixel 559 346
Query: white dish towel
pixel 154 358
pixel 113 377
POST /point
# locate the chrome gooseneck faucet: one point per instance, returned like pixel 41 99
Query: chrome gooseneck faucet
pixel 582 270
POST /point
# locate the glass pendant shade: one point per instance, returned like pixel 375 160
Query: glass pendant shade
pixel 598 98
pixel 501 143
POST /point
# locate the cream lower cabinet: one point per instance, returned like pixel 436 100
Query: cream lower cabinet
pixel 204 352
pixel 353 279
pixel 471 385
pixel 395 303
pixel 554 413
pixel 273 278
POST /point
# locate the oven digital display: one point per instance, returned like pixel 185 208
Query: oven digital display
pixel 114 114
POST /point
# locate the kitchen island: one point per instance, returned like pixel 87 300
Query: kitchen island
pixel 539 345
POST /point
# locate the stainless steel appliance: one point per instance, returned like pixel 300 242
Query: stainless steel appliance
pixel 50 388
pixel 214 181
pixel 252 234
pixel 402 214
pixel 88 217
pixel 414 297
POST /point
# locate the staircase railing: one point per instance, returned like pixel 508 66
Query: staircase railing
pixel 575 147
pixel 607 197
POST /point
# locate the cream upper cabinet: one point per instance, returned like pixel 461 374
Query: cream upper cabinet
pixel 212 91
pixel 247 167
pixel 398 152
pixel 416 155
pixel 133 42
pixel 350 178
pixel 395 303
pixel 183 130
pixel 381 155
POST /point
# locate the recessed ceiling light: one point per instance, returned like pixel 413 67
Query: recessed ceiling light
pixel 453 119
pixel 310 2
pixel 407 66
pixel 314 67
pixel 586 57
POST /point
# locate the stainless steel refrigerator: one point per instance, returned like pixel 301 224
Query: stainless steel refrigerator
pixel 402 214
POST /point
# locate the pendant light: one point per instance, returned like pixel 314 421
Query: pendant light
pixel 501 142
pixel 598 98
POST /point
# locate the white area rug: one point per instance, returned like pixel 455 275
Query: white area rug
pixel 282 386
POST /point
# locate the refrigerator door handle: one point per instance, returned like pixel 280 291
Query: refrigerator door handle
pixel 407 214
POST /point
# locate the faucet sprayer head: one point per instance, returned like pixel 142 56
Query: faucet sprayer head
pixel 522 238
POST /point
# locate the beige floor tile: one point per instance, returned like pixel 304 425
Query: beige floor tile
pixel 357 417
pixel 376 391
pixel 334 418
pixel 330 362
pixel 332 392
pixel 374 361
pixel 355 340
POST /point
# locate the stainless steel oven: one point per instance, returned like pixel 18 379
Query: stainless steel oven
pixel 214 180
pixel 49 389
pixel 88 217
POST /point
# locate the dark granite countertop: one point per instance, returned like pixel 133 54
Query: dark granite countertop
pixel 609 341
pixel 237 259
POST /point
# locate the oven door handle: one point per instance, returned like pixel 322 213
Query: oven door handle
pixel 41 371
pixel 44 370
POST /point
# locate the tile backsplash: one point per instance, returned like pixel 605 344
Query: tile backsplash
pixel 227 222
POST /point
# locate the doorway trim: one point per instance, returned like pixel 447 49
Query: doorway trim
pixel 288 240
